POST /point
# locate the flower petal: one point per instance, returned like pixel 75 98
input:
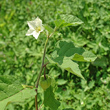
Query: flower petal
pixel 36 34
pixel 42 28
pixel 29 32
pixel 32 24
pixel 38 21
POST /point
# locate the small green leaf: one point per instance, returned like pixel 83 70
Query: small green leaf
pixel 89 56
pixel 102 62
pixel 58 22
pixel 68 109
pixel 49 99
pixel 86 56
pixel 67 20
pixel 61 82
pixel 48 28
pixel 78 57
pixel 70 20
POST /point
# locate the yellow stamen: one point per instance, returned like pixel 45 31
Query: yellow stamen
pixel 38 29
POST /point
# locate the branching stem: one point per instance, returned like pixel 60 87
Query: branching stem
pixel 42 66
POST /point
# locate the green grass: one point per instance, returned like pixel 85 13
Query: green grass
pixel 20 55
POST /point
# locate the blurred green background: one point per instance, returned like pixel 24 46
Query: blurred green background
pixel 20 55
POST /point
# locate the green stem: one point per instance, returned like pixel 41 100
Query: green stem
pixel 45 73
pixel 40 73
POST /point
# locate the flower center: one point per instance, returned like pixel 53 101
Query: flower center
pixel 38 29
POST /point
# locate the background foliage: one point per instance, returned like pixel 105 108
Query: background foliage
pixel 20 55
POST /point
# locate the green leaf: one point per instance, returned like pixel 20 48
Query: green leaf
pixel 70 20
pixel 49 99
pixel 89 56
pixel 48 28
pixel 102 62
pixel 68 65
pixel 68 109
pixel 18 97
pixel 86 56
pixel 65 52
pixel 67 49
pixel 12 91
pixel 67 20
pixel 78 57
pixel 9 85
pixel 59 22
pixel 61 82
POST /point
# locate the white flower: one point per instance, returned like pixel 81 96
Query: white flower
pixel 35 27
pixel 82 103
